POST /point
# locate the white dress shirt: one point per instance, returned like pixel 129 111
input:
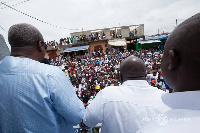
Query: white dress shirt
pixel 125 108
pixel 184 116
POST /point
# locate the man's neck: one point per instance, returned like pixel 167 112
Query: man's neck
pixel 133 78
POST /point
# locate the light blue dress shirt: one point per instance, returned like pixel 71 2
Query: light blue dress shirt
pixel 36 97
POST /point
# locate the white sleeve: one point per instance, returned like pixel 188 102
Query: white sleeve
pixel 94 111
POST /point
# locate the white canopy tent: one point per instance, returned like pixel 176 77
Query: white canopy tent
pixel 149 41
pixel 120 42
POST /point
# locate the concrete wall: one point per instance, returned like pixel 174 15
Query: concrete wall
pixel 125 30
pixel 80 33
pixel 107 33
pixel 96 43
pixel 52 53
pixel 4 50
pixel 140 30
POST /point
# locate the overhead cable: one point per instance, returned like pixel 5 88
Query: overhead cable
pixel 32 16
pixel 13 4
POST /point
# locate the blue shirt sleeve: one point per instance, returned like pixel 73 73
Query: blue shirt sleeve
pixel 64 98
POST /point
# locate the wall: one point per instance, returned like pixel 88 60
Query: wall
pixel 51 54
pixel 140 30
pixel 80 33
pixel 125 31
pixel 96 43
pixel 107 33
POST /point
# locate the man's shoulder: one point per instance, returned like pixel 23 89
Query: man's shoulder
pixel 26 65
pixel 110 89
pixel 113 93
pixel 188 120
pixel 49 69
pixel 108 92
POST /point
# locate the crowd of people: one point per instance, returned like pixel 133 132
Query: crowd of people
pixel 94 36
pixel 90 75
pixel 37 97
pixel 133 95
pixel 76 39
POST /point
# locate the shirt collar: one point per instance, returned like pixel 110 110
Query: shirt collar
pixel 182 100
pixel 139 83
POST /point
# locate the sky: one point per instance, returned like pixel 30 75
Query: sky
pixel 57 19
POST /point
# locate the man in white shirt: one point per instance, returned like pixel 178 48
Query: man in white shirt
pixel 180 66
pixel 183 117
pixel 123 109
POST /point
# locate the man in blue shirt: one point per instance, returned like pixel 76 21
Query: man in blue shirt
pixel 35 97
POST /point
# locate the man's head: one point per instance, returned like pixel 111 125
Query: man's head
pixel 132 68
pixel 26 41
pixel 88 93
pixel 181 59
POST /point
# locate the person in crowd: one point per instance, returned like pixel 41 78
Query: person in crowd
pixel 35 97
pixel 46 61
pixel 105 68
pixel 122 109
pixel 86 97
pixel 180 66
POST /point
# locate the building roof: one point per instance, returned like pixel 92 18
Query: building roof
pixel 149 41
pixel 120 42
pixel 154 38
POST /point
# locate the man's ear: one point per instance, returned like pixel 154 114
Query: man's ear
pixel 40 46
pixel 121 79
pixel 173 60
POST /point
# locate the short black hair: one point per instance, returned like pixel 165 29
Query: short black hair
pixel 23 34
